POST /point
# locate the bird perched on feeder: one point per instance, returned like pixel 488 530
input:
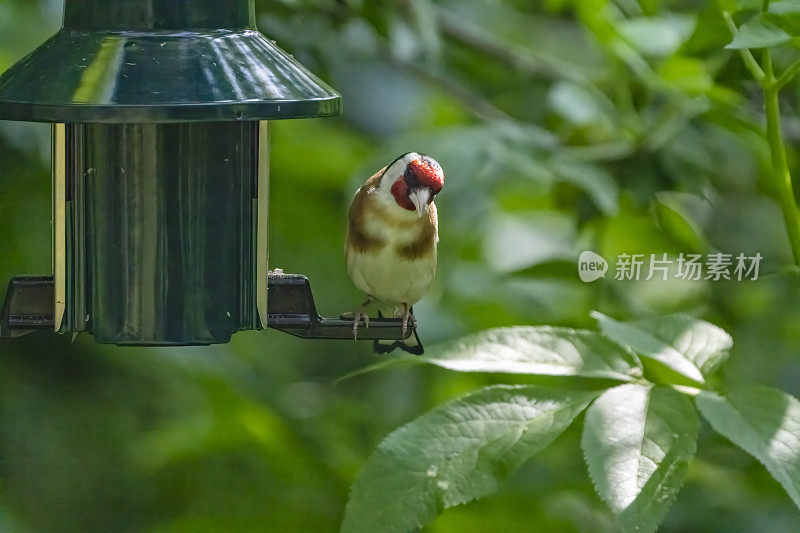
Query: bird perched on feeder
pixel 392 234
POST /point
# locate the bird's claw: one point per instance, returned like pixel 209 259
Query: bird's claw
pixel 357 318
pixel 408 316
pixel 359 315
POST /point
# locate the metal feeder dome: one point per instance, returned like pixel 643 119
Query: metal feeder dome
pixel 143 61
pixel 160 113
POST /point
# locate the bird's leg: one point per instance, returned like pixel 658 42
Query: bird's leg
pixel 407 314
pixel 361 313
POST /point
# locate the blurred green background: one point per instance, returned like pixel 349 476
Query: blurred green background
pixel 562 125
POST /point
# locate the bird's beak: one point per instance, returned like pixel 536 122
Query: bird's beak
pixel 420 197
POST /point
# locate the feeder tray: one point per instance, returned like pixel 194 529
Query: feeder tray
pixel 28 308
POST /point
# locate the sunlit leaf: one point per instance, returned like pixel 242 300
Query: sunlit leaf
pixel 536 350
pixel 638 442
pixel 539 350
pixel 456 453
pixel 687 345
pixel 764 422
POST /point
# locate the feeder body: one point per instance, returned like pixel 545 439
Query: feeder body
pixel 161 227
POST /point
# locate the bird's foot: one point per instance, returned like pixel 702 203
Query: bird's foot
pixel 408 316
pixel 358 315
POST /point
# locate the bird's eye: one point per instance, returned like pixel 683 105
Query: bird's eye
pixel 410 178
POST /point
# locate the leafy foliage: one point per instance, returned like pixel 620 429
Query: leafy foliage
pixel 456 453
pixel 638 438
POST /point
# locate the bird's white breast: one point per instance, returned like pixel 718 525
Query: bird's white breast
pixel 386 275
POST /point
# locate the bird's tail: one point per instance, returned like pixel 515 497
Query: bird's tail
pixel 411 345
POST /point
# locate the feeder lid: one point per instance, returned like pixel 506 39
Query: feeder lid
pixel 158 61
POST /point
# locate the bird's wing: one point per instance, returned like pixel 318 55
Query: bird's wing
pixel 375 179
pixel 357 238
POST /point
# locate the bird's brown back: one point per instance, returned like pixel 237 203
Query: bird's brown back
pixel 356 235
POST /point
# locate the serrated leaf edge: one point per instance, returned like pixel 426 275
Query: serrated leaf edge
pixel 794 497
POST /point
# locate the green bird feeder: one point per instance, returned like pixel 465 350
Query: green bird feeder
pixel 160 113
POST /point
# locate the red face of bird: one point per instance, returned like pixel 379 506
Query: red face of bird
pixel 413 181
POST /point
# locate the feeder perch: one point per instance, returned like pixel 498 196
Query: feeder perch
pixel 160 113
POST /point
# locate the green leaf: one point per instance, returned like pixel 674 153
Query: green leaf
pixel 785 7
pixel 536 350
pixel 682 216
pixel 758 33
pixel 580 105
pixel 687 74
pixel 786 15
pixel 515 242
pixel 456 453
pixel 638 442
pixel 596 182
pixel 710 31
pixel 764 422
pixel 657 36
pixel 692 347
pixel 737 6
pixel 539 350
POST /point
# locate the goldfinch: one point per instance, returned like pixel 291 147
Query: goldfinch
pixel 392 234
